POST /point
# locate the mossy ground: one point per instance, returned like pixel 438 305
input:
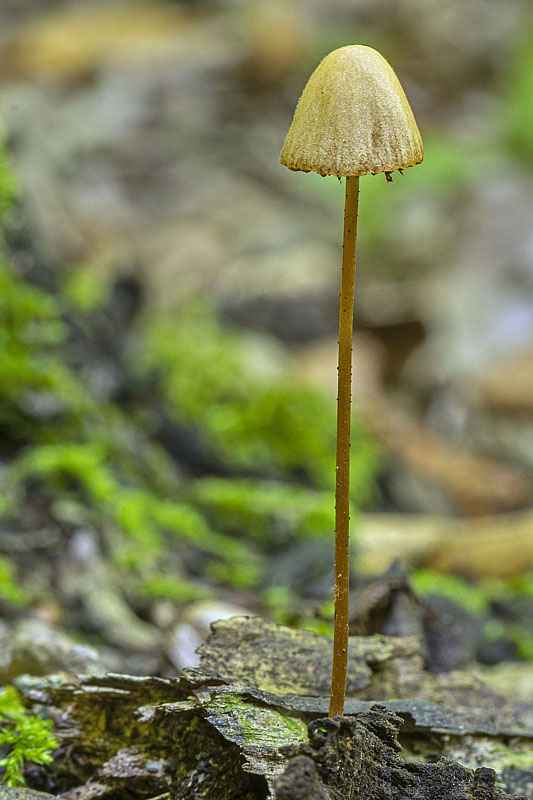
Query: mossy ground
pixel 97 458
pixel 250 478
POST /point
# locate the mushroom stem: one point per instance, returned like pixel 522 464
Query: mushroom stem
pixel 342 486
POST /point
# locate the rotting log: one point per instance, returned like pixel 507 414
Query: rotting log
pixel 226 731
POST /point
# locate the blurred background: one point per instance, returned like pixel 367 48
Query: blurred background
pixel 168 307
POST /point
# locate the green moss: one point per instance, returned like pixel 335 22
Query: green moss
pixel 475 751
pixel 211 379
pixel 25 737
pixel 517 114
pixel 316 625
pixel 8 184
pixel 148 520
pixel 477 599
pixel 271 512
pixel 280 602
pixel 284 608
pixel 84 289
pixel 30 330
pixel 100 465
pixel 471 597
pixel 519 755
pixel 160 585
pixel 517 634
pixel 258 724
pixel 522 584
pixel 10 592
pixel 523 641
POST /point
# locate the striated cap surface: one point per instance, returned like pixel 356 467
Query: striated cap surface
pixel 353 118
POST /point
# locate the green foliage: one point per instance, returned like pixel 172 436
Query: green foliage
pixel 517 635
pixel 274 425
pixel 214 378
pixel 10 591
pixel 283 608
pixel 159 586
pixel 91 455
pixel 7 184
pixel 30 329
pixel 147 520
pixel 90 452
pixel 272 513
pixel 522 584
pixel 26 738
pixel 87 454
pixel 518 107
pixel 84 289
pixel 470 596
pixel 100 465
pixel 477 598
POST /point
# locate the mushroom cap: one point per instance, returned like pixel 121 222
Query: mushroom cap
pixel 353 118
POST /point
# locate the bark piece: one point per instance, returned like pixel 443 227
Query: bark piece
pixel 250 651
pixel 388 604
pixel 284 660
pixel 36 648
pixel 21 793
pixel 420 715
pixel 507 386
pixel 122 737
pixel 300 779
pixel 214 735
pixel 499 545
pixel 359 758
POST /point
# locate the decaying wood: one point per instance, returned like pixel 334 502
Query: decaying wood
pixel 389 604
pixel 507 387
pixel 247 725
pixel 21 793
pixel 476 482
pixel 37 649
pixel 494 546
pixel 286 660
pixel 359 757
pixel 238 650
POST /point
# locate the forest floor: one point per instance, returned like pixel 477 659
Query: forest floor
pixel 167 387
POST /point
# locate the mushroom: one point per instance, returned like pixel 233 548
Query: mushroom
pixel 353 119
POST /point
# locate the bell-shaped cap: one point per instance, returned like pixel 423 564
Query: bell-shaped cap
pixel 353 118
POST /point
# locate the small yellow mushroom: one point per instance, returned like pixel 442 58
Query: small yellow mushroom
pixel 353 118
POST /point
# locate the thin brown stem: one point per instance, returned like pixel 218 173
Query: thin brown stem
pixel 342 488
